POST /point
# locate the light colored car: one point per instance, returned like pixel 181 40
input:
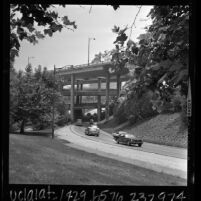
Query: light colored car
pixel 92 130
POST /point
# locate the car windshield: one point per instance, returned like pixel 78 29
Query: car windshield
pixel 122 133
pixel 130 136
pixel 94 126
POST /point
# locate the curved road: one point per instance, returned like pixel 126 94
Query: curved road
pixel 170 160
pixel 146 147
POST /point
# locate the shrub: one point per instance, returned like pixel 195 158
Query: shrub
pixel 178 100
pixel 44 121
pixel 119 113
pixel 14 126
pixel 139 108
pixel 62 120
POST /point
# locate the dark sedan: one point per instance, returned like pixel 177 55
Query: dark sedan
pixel 126 138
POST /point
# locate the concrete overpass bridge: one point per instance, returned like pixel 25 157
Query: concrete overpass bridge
pixel 101 75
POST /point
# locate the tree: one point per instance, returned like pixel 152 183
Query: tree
pixel 32 22
pixel 106 56
pixel 46 94
pixel 160 60
pixel 13 100
pixel 31 98
pixel 165 46
pixel 97 58
pixel 170 31
pixel 23 104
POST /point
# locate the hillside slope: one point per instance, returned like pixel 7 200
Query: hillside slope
pixel 161 129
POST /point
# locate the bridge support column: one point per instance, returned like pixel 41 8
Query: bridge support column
pixel 99 100
pixel 81 87
pixel 72 97
pixel 118 85
pixel 77 97
pixel 107 96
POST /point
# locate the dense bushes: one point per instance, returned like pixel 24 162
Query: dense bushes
pixel 32 96
pixel 119 110
pixel 134 108
pixel 140 108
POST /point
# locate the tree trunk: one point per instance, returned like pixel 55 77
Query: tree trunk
pixel 22 127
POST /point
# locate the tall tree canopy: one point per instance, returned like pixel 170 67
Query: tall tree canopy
pixel 165 46
pixel 160 60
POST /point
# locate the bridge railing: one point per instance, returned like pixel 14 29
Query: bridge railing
pixel 71 67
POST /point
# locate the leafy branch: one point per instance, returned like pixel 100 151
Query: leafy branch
pixel 32 18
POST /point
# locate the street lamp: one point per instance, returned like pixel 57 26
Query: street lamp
pixel 29 59
pixel 89 39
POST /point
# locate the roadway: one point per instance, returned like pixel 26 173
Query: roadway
pixel 147 147
pixel 166 159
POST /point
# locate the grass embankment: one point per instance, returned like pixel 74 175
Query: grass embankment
pixel 162 129
pixel 41 160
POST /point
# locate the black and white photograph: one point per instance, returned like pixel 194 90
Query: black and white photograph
pixel 99 95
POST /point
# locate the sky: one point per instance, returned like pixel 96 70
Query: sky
pixel 71 47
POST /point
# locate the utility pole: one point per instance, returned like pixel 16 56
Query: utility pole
pixel 89 47
pixel 53 105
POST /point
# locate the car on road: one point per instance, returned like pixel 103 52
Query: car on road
pixel 92 130
pixel 126 138
pixel 79 122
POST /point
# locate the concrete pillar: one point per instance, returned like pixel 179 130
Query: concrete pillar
pixel 99 100
pixel 77 97
pixel 81 88
pixel 72 97
pixel 107 96
pixel 118 85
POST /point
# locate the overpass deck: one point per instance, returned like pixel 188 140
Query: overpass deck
pixel 85 74
pixel 90 92
pixel 88 73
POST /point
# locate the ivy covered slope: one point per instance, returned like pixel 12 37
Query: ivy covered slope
pixel 164 129
pixel 158 67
